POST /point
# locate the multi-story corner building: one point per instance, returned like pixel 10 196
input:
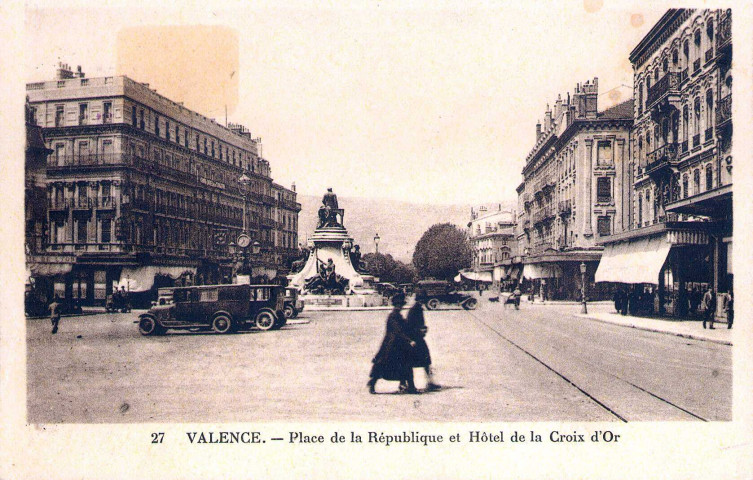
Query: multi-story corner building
pixel 569 197
pixel 140 188
pixel 492 235
pixel 680 220
pixel 285 213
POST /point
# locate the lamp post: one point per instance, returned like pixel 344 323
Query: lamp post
pixel 583 287
pixel 245 181
pixel 376 242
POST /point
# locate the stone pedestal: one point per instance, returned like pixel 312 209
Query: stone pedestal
pixel 328 243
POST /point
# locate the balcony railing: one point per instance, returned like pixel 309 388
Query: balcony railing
pixel 708 134
pixel 683 75
pixel 82 203
pixel 724 33
pixel 664 155
pixel 696 140
pixel 709 54
pixel 105 202
pixel 724 110
pixel 668 84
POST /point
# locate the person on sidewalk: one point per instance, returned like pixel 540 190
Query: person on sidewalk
pixel 709 308
pixel 729 308
pixel 516 294
pixel 392 361
pixel 416 329
pixel 55 308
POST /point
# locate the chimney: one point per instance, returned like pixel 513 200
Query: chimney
pixel 64 71
pixel 538 130
pixel 547 119
pixel 80 73
pixel 585 99
pixel 292 187
pixel 558 107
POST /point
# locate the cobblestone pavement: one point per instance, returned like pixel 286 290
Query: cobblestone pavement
pixel 542 363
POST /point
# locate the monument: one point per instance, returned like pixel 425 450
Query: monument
pixel 329 274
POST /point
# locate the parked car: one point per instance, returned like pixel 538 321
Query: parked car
pixel 435 292
pixel 387 289
pixel 222 308
pixel 292 305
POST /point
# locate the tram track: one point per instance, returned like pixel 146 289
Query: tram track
pixel 583 390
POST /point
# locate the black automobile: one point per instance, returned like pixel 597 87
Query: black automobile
pixel 435 292
pixel 221 308
pixel 292 305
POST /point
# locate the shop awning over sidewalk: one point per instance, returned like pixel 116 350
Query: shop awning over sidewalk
pixel 474 276
pixel 532 271
pixel 48 269
pixel 141 279
pixel 638 261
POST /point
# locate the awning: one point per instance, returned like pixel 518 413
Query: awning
pixel 141 279
pixel 533 271
pixel 638 261
pixel 475 276
pixel 48 269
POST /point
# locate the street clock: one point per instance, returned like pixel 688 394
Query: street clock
pixel 243 240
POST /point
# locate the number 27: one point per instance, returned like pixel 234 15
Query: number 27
pixel 158 437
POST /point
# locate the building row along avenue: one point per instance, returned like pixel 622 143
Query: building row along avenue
pixel 639 195
pixel 141 192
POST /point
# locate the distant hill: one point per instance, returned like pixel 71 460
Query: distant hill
pixel 399 224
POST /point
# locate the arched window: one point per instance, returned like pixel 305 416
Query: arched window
pixel 710 34
pixel 696 118
pixel 686 53
pixel 685 120
pixel 685 185
pixel 675 58
pixel 656 75
pixel 697 181
pixel 709 114
pixel 665 65
pixel 709 177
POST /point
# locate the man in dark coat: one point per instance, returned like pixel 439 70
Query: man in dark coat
pixel 415 328
pixel 55 308
pixel 709 305
pixel 392 361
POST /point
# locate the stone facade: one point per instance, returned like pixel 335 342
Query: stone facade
pixel 138 180
pixel 570 195
pixel 681 167
pixel 491 231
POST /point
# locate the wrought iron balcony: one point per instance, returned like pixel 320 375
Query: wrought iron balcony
pixel 667 88
pixel 724 111
pixel 662 157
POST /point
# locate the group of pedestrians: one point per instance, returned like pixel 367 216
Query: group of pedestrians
pixel 403 348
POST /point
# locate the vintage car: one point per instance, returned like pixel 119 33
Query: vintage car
pixel 222 308
pixel 387 289
pixel 292 305
pixel 118 302
pixel 432 293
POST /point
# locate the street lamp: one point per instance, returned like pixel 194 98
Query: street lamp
pixel 376 242
pixel 583 287
pixel 245 181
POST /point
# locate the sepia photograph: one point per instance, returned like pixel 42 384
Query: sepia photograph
pixel 380 226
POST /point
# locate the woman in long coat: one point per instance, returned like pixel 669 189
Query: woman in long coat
pixel 392 361
pixel 416 330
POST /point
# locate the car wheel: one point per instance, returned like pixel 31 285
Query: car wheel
pixel 432 304
pixel 222 324
pixel 289 311
pixel 265 320
pixel 470 304
pixel 295 313
pixel 148 326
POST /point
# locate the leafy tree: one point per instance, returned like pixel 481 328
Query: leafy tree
pixel 388 269
pixel 442 251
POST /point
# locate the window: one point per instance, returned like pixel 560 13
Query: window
pixel 208 295
pixel 685 120
pixel 106 230
pixel 697 181
pixel 604 226
pixel 107 113
pixel 675 58
pixel 709 177
pixel 156 125
pixel 709 114
pixel 83 113
pixel 167 130
pixel 603 190
pixel 141 119
pixel 59 115
pixel 665 66
pixel 640 209
pixel 686 53
pixel 604 153
pixel 133 117
pixel 81 234
pixel 685 186
pixel 697 118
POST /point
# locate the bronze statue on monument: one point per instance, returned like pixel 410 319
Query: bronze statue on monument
pixel 330 215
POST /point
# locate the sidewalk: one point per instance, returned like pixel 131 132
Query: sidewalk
pixel 682 328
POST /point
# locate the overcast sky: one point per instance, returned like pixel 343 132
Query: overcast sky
pixel 434 105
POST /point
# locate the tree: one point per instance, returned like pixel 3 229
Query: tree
pixel 442 251
pixel 388 269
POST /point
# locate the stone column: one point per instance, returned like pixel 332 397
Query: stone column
pixel 587 180
pixel 620 182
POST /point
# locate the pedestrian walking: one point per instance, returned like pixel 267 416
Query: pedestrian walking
pixel 709 308
pixel 392 361
pixel 517 293
pixel 55 308
pixel 729 308
pixel 416 330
